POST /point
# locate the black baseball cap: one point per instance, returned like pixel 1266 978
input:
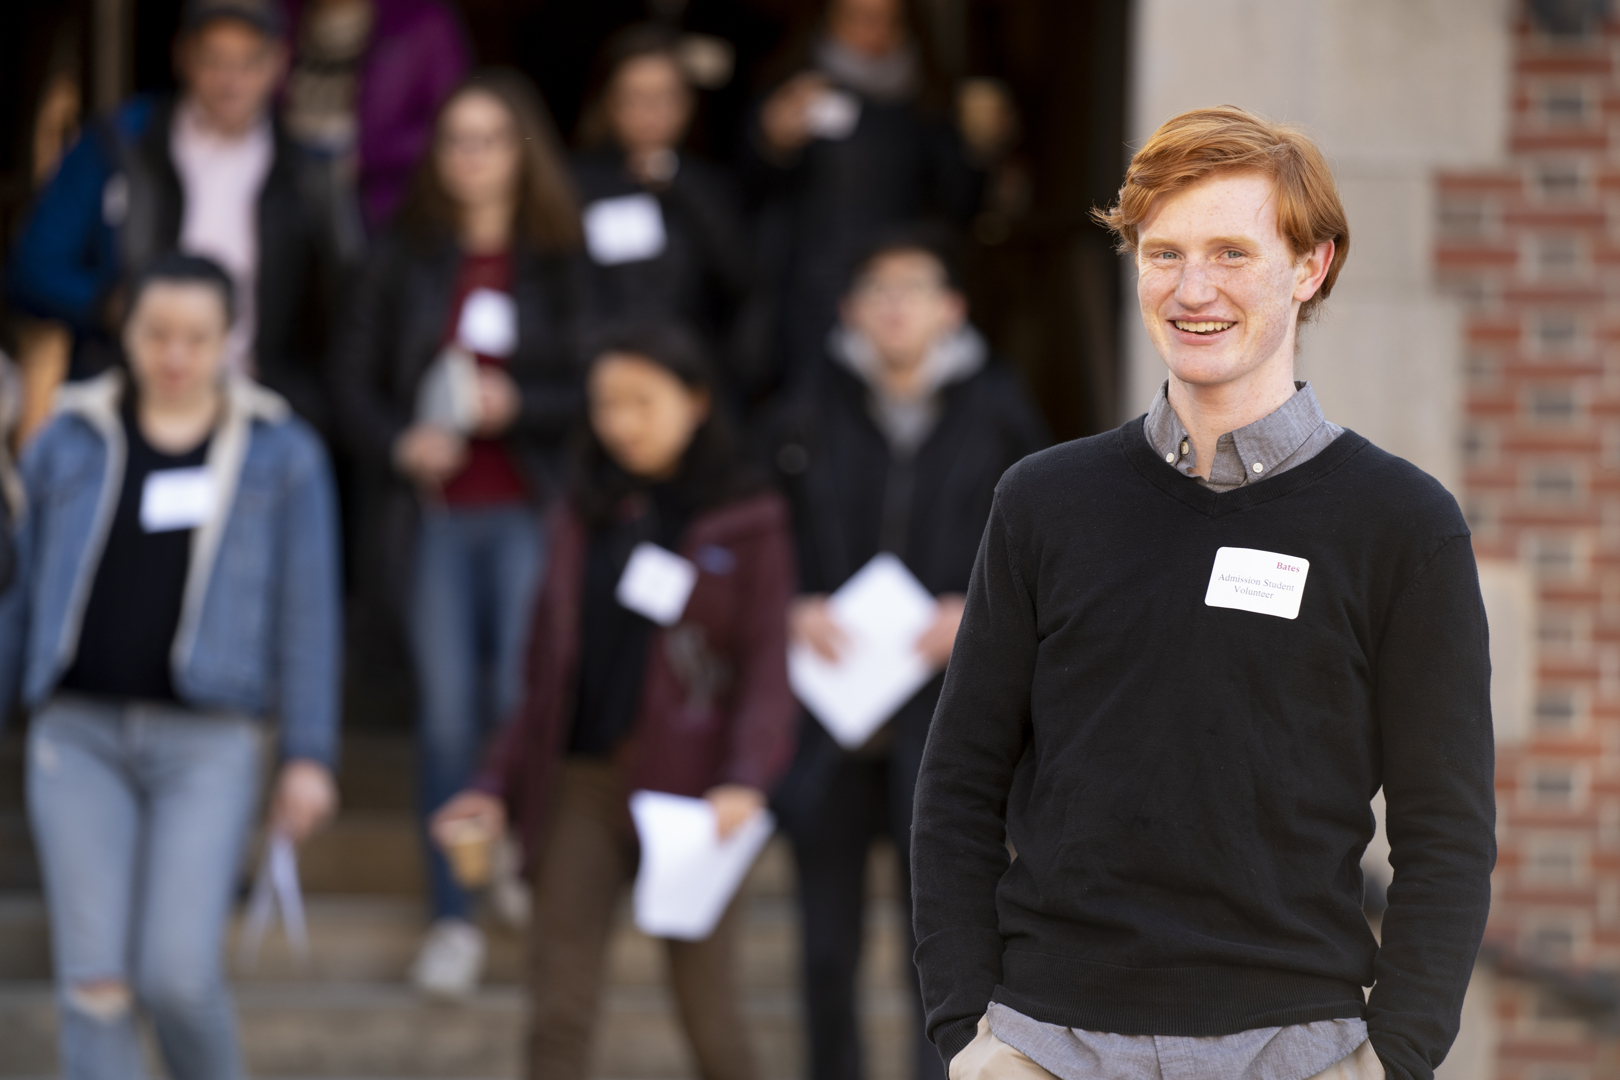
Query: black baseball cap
pixel 263 15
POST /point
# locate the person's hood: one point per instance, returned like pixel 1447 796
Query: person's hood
pixel 907 422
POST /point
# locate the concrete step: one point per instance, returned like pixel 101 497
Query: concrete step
pixel 373 940
pixel 314 1030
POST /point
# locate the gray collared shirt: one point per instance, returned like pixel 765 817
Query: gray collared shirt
pixel 1289 436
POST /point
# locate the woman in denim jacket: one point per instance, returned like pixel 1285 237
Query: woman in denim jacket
pixel 177 585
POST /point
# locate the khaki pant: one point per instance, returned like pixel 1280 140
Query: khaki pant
pixel 587 863
pixel 988 1058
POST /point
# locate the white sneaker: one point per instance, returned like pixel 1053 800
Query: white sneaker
pixel 451 960
pixel 508 891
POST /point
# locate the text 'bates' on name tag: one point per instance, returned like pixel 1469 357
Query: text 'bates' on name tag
pixel 627 229
pixel 1264 582
pixel 176 499
pixel 656 583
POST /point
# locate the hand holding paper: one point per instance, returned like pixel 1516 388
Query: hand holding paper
pixel 688 874
pixel 884 611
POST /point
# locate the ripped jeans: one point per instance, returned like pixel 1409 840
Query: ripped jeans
pixel 140 813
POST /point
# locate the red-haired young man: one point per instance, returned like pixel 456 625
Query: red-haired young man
pixel 1194 648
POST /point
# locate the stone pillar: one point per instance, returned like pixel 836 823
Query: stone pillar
pixel 1393 90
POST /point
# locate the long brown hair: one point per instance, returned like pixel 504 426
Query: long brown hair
pixel 632 43
pixel 547 209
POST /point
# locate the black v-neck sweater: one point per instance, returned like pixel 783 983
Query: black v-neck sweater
pixel 1186 787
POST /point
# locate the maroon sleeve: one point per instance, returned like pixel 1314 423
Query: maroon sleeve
pixel 764 714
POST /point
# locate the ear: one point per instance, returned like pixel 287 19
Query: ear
pixel 702 406
pixel 1312 271
pixel 956 308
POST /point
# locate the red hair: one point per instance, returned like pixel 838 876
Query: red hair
pixel 1198 144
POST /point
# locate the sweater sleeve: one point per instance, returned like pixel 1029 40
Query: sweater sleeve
pixel 367 421
pixel 979 733
pixel 309 611
pixel 63 265
pixel 1434 717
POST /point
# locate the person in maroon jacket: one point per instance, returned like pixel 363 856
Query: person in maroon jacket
pixel 617 703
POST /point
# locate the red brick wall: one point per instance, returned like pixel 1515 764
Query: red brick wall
pixel 1533 250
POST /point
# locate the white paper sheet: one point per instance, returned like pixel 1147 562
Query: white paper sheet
pixel 276 887
pixel 833 115
pixel 448 393
pixel 488 323
pixel 626 229
pixel 176 499
pixel 688 874
pixel 656 583
pixel 884 610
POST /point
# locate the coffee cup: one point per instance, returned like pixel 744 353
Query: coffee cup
pixel 469 845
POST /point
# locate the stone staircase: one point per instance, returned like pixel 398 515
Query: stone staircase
pixel 349 1013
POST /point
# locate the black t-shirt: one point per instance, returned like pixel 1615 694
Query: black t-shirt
pixel 614 639
pixel 134 609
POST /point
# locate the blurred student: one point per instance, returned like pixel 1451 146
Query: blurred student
pixel 367 79
pixel 209 173
pixel 617 703
pixel 456 380
pixel 894 445
pixel 664 232
pixel 860 138
pixel 177 585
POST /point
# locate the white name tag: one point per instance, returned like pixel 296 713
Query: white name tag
pixel 656 583
pixel 488 323
pixel 176 499
pixel 622 230
pixel 1264 582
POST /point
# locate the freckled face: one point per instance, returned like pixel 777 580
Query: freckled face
pixel 1219 286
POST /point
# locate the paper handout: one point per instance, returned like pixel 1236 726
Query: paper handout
pixel 626 229
pixel 688 874
pixel 447 396
pixel 833 115
pixel 276 886
pixel 884 610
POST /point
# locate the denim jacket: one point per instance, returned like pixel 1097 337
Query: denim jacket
pixel 260 619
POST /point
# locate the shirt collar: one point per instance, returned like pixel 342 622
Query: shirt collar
pixel 1251 452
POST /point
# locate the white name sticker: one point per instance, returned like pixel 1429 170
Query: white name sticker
pixel 1264 582
pixel 627 229
pixel 656 583
pixel 176 499
pixel 488 323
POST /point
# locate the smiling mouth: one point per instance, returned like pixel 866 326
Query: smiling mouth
pixel 1206 327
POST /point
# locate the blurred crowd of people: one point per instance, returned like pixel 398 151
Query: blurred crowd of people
pixel 349 325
